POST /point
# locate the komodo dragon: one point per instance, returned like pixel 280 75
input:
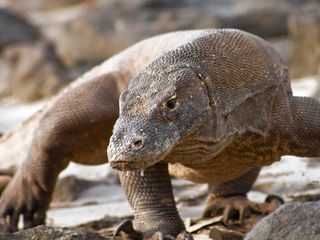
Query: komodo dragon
pixel 214 110
pixel 214 104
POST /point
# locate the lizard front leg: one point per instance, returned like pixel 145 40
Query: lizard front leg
pixel 30 191
pixel 230 198
pixel 152 201
pixel 74 128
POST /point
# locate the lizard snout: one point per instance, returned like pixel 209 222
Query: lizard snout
pixel 133 146
pixel 125 151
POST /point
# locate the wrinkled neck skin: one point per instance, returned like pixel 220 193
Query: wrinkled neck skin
pixel 204 143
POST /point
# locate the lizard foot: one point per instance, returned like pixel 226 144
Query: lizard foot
pixel 238 207
pixel 23 197
pixel 126 228
pixel 181 236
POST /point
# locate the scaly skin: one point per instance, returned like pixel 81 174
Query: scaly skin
pixel 74 126
pixel 217 110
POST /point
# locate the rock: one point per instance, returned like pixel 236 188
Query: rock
pixel 85 35
pixel 29 66
pixel 52 233
pixel 79 44
pixel 34 5
pixel 32 71
pixel 304 28
pixel 14 28
pixel 292 221
pixel 102 30
pixel 265 19
pixel 70 188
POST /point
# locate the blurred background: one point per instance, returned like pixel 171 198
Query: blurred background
pixel 45 44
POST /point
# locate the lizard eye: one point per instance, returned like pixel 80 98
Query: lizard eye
pixel 171 103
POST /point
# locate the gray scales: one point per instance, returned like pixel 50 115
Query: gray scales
pixel 211 106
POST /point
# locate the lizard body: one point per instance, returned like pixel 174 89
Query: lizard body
pixel 214 111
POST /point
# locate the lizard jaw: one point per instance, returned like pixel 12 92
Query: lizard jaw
pixel 128 165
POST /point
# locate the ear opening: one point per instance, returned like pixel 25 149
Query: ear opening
pixel 253 115
pixel 205 81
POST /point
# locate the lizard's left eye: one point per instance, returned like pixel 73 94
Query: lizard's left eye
pixel 171 103
pixel 169 107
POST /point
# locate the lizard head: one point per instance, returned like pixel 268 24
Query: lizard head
pixel 159 108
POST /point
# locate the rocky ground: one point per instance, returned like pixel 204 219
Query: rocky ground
pixel 45 44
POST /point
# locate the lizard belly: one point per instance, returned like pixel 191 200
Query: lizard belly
pixel 206 173
pixel 219 169
pixel 232 162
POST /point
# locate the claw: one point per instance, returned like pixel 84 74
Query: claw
pixel 39 218
pixel 8 220
pixel 227 214
pixel 22 197
pixel 13 222
pixel 244 212
pixel 9 223
pixel 211 210
pixel 239 207
pixel 27 220
pixel 181 236
pixel 126 227
pixel 271 203
pixel 274 198
pixel 184 236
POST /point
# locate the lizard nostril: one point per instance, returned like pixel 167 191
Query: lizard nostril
pixel 137 143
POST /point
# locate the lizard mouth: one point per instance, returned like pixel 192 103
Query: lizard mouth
pixel 129 165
